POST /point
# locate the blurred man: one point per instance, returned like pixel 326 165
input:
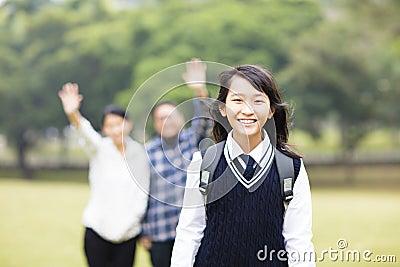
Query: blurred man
pixel 170 154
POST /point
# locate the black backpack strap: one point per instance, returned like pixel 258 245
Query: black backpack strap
pixel 288 170
pixel 286 174
pixel 209 163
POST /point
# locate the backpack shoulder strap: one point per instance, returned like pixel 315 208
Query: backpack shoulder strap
pixel 288 170
pixel 286 174
pixel 209 163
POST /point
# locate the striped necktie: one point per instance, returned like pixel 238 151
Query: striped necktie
pixel 249 171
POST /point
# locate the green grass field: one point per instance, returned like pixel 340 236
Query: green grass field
pixel 41 223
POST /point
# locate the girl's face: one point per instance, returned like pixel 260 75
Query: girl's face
pixel 247 110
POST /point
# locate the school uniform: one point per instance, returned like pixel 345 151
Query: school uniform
pixel 243 223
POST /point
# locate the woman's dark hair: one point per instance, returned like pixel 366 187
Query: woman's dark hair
pixel 112 109
pixel 263 81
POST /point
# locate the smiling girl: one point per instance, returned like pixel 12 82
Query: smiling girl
pixel 245 222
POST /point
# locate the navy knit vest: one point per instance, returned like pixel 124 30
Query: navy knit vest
pixel 243 227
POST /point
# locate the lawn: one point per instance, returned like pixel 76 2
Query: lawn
pixel 367 219
pixel 41 223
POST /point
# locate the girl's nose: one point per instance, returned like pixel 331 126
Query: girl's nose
pixel 247 109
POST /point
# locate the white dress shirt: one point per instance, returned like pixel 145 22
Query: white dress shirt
pixel 119 185
pixel 263 155
pixel 192 222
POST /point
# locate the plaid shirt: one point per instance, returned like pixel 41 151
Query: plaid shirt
pixel 168 164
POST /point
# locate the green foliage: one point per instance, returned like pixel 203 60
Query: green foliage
pixel 337 71
pixel 43 50
pixel 107 51
pixel 319 78
pixel 230 32
pixel 332 57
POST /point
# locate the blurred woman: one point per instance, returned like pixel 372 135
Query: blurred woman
pixel 118 178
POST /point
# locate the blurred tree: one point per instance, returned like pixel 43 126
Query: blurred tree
pixel 14 28
pixel 14 7
pixel 329 80
pixel 377 21
pixel 46 43
pixel 333 71
pixel 41 51
pixel 343 71
pixel 231 32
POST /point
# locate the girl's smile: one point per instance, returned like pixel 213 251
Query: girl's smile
pixel 247 121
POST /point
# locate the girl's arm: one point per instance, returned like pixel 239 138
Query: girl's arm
pixel 71 102
pixel 192 220
pixel 298 222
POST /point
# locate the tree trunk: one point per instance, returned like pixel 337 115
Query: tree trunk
pixel 22 147
pixel 347 155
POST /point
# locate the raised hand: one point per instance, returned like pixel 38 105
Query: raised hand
pixel 70 98
pixel 195 76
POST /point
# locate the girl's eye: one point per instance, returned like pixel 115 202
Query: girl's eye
pixel 259 101
pixel 236 100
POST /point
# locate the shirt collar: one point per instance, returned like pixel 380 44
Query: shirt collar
pixel 233 150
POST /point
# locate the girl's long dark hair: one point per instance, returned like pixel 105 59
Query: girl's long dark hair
pixel 263 81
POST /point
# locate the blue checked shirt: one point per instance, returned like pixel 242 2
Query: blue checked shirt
pixel 168 164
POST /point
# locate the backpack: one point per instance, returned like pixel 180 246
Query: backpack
pixel 284 165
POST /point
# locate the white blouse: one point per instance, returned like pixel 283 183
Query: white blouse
pixel 118 186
